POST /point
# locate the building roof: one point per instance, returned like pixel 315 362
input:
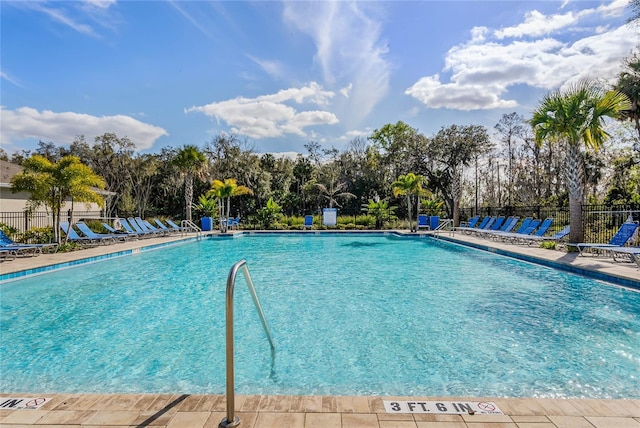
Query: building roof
pixel 7 171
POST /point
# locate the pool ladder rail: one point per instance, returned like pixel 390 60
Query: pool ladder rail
pixel 231 420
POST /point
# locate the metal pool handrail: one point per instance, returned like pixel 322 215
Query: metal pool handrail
pixel 231 420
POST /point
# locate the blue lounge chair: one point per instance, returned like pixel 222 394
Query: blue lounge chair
pixel 423 222
pixel 470 229
pixel 527 227
pixel 100 237
pixel 175 226
pixel 233 222
pixel 632 252
pixel 6 255
pixel 622 236
pixel 140 229
pixel 119 233
pixel 72 235
pixel 126 226
pixel 532 232
pixel 167 229
pixel 471 222
pixel 148 227
pixel 308 221
pixel 15 249
pixel 497 224
pixel 509 224
pixel 507 227
pixel 558 236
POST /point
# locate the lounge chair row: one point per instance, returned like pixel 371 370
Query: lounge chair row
pixel 502 229
pixel 531 231
pixel 132 228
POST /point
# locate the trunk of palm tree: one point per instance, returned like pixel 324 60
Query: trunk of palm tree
pixel 409 210
pixel 417 210
pixel 188 194
pixel 456 190
pixel 226 227
pixel 575 183
pixel 221 215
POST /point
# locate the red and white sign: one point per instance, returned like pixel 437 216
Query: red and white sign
pixel 13 403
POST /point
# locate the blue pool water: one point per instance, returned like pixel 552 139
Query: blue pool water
pixel 350 315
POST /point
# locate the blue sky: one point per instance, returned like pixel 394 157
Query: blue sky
pixel 281 74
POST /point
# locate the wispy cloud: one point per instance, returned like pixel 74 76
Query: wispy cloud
pixel 349 49
pixel 483 69
pixel 273 68
pixel 191 19
pixel 10 79
pixel 25 122
pixel 74 14
pixel 272 115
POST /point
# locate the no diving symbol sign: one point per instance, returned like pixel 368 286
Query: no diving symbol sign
pixel 12 403
pixel 443 407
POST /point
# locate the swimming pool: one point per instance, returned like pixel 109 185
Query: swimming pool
pixel 350 315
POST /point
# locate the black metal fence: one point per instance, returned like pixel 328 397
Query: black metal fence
pixel 23 221
pixel 600 222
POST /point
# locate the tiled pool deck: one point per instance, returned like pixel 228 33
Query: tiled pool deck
pixel 186 411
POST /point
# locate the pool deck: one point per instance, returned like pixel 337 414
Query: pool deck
pixel 262 411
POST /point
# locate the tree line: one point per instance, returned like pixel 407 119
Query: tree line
pixel 566 152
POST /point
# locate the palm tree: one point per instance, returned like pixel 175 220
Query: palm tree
pixel 380 210
pixel 225 190
pixel 50 184
pixel 409 185
pixel 576 117
pixel 332 192
pixel 191 162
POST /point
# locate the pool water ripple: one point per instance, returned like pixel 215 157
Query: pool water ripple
pixel 349 315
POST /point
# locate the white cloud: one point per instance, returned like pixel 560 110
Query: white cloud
pixel 269 115
pixel 26 123
pixel 483 70
pixel 348 49
pixel 346 90
pixel 537 24
pixel 436 94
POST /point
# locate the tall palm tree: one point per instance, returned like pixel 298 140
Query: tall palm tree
pixel 576 117
pixel 409 185
pixel 191 162
pixel 225 190
pixel 50 184
pixel 629 84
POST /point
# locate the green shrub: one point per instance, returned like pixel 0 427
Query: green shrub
pixel 96 226
pixel 36 235
pixel 8 230
pixel 366 220
pixel 548 245
pixel 69 246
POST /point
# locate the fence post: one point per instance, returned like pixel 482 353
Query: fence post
pixel 26 221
